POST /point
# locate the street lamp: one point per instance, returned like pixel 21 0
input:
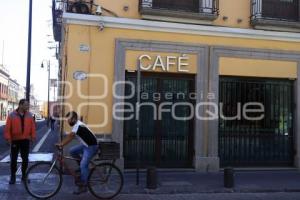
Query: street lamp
pixel 48 69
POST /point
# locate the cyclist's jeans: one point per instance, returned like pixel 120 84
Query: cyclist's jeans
pixel 85 154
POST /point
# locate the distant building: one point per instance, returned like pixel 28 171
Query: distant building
pixel 13 90
pixel 54 109
pixel 34 107
pixel 21 92
pixel 4 77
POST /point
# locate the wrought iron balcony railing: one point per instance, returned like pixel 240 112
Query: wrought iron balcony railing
pixel 57 11
pixel 73 6
pixel 279 10
pixel 86 7
pixel 187 7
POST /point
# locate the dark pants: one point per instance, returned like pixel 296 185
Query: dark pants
pixel 52 124
pixel 17 146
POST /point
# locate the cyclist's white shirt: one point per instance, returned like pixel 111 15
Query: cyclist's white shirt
pixel 84 134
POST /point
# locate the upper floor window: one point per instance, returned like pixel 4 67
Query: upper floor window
pixel 281 9
pixel 186 5
pixel 280 15
pixel 285 10
pixel 194 9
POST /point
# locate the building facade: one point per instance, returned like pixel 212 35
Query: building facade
pixel 10 93
pixel 13 89
pixel 217 80
pixel 53 109
pixel 34 106
pixel 4 79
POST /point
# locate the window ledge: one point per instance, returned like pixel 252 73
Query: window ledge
pixel 275 25
pixel 178 16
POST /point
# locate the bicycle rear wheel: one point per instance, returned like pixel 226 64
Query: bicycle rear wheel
pixel 105 181
pixel 42 182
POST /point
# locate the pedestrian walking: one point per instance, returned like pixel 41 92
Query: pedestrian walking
pixel 19 131
pixel 52 120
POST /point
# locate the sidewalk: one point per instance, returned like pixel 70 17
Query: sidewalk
pixel 189 183
pixel 193 182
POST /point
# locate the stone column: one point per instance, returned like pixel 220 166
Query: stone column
pixel 119 75
pixel 296 119
pixel 213 122
pixel 201 161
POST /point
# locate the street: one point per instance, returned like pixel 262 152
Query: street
pixel 44 144
pixel 17 191
pixel 209 189
pixel 41 129
pixel 4 147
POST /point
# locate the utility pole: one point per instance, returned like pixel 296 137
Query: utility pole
pixel 138 121
pixel 29 52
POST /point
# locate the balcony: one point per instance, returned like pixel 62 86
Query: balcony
pixel 276 14
pixel 86 7
pixel 191 9
pixel 57 11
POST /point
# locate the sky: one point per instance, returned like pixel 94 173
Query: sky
pixel 14 33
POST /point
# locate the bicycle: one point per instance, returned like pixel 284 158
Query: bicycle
pixel 44 179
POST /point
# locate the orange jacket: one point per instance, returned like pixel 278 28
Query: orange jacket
pixel 15 131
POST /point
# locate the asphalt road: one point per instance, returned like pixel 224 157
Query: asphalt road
pixel 41 130
pixel 3 145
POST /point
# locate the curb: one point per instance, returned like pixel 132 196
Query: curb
pixel 176 191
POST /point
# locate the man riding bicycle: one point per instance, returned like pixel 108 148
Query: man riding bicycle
pixel 84 151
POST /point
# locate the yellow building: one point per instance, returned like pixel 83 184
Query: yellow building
pixel 218 86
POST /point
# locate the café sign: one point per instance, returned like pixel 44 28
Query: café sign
pixel 164 63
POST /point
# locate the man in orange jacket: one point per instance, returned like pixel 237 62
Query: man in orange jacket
pixel 19 130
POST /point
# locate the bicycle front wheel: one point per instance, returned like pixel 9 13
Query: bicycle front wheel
pixel 43 180
pixel 105 181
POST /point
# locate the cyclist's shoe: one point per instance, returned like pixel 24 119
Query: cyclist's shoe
pixel 80 190
pixel 12 180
